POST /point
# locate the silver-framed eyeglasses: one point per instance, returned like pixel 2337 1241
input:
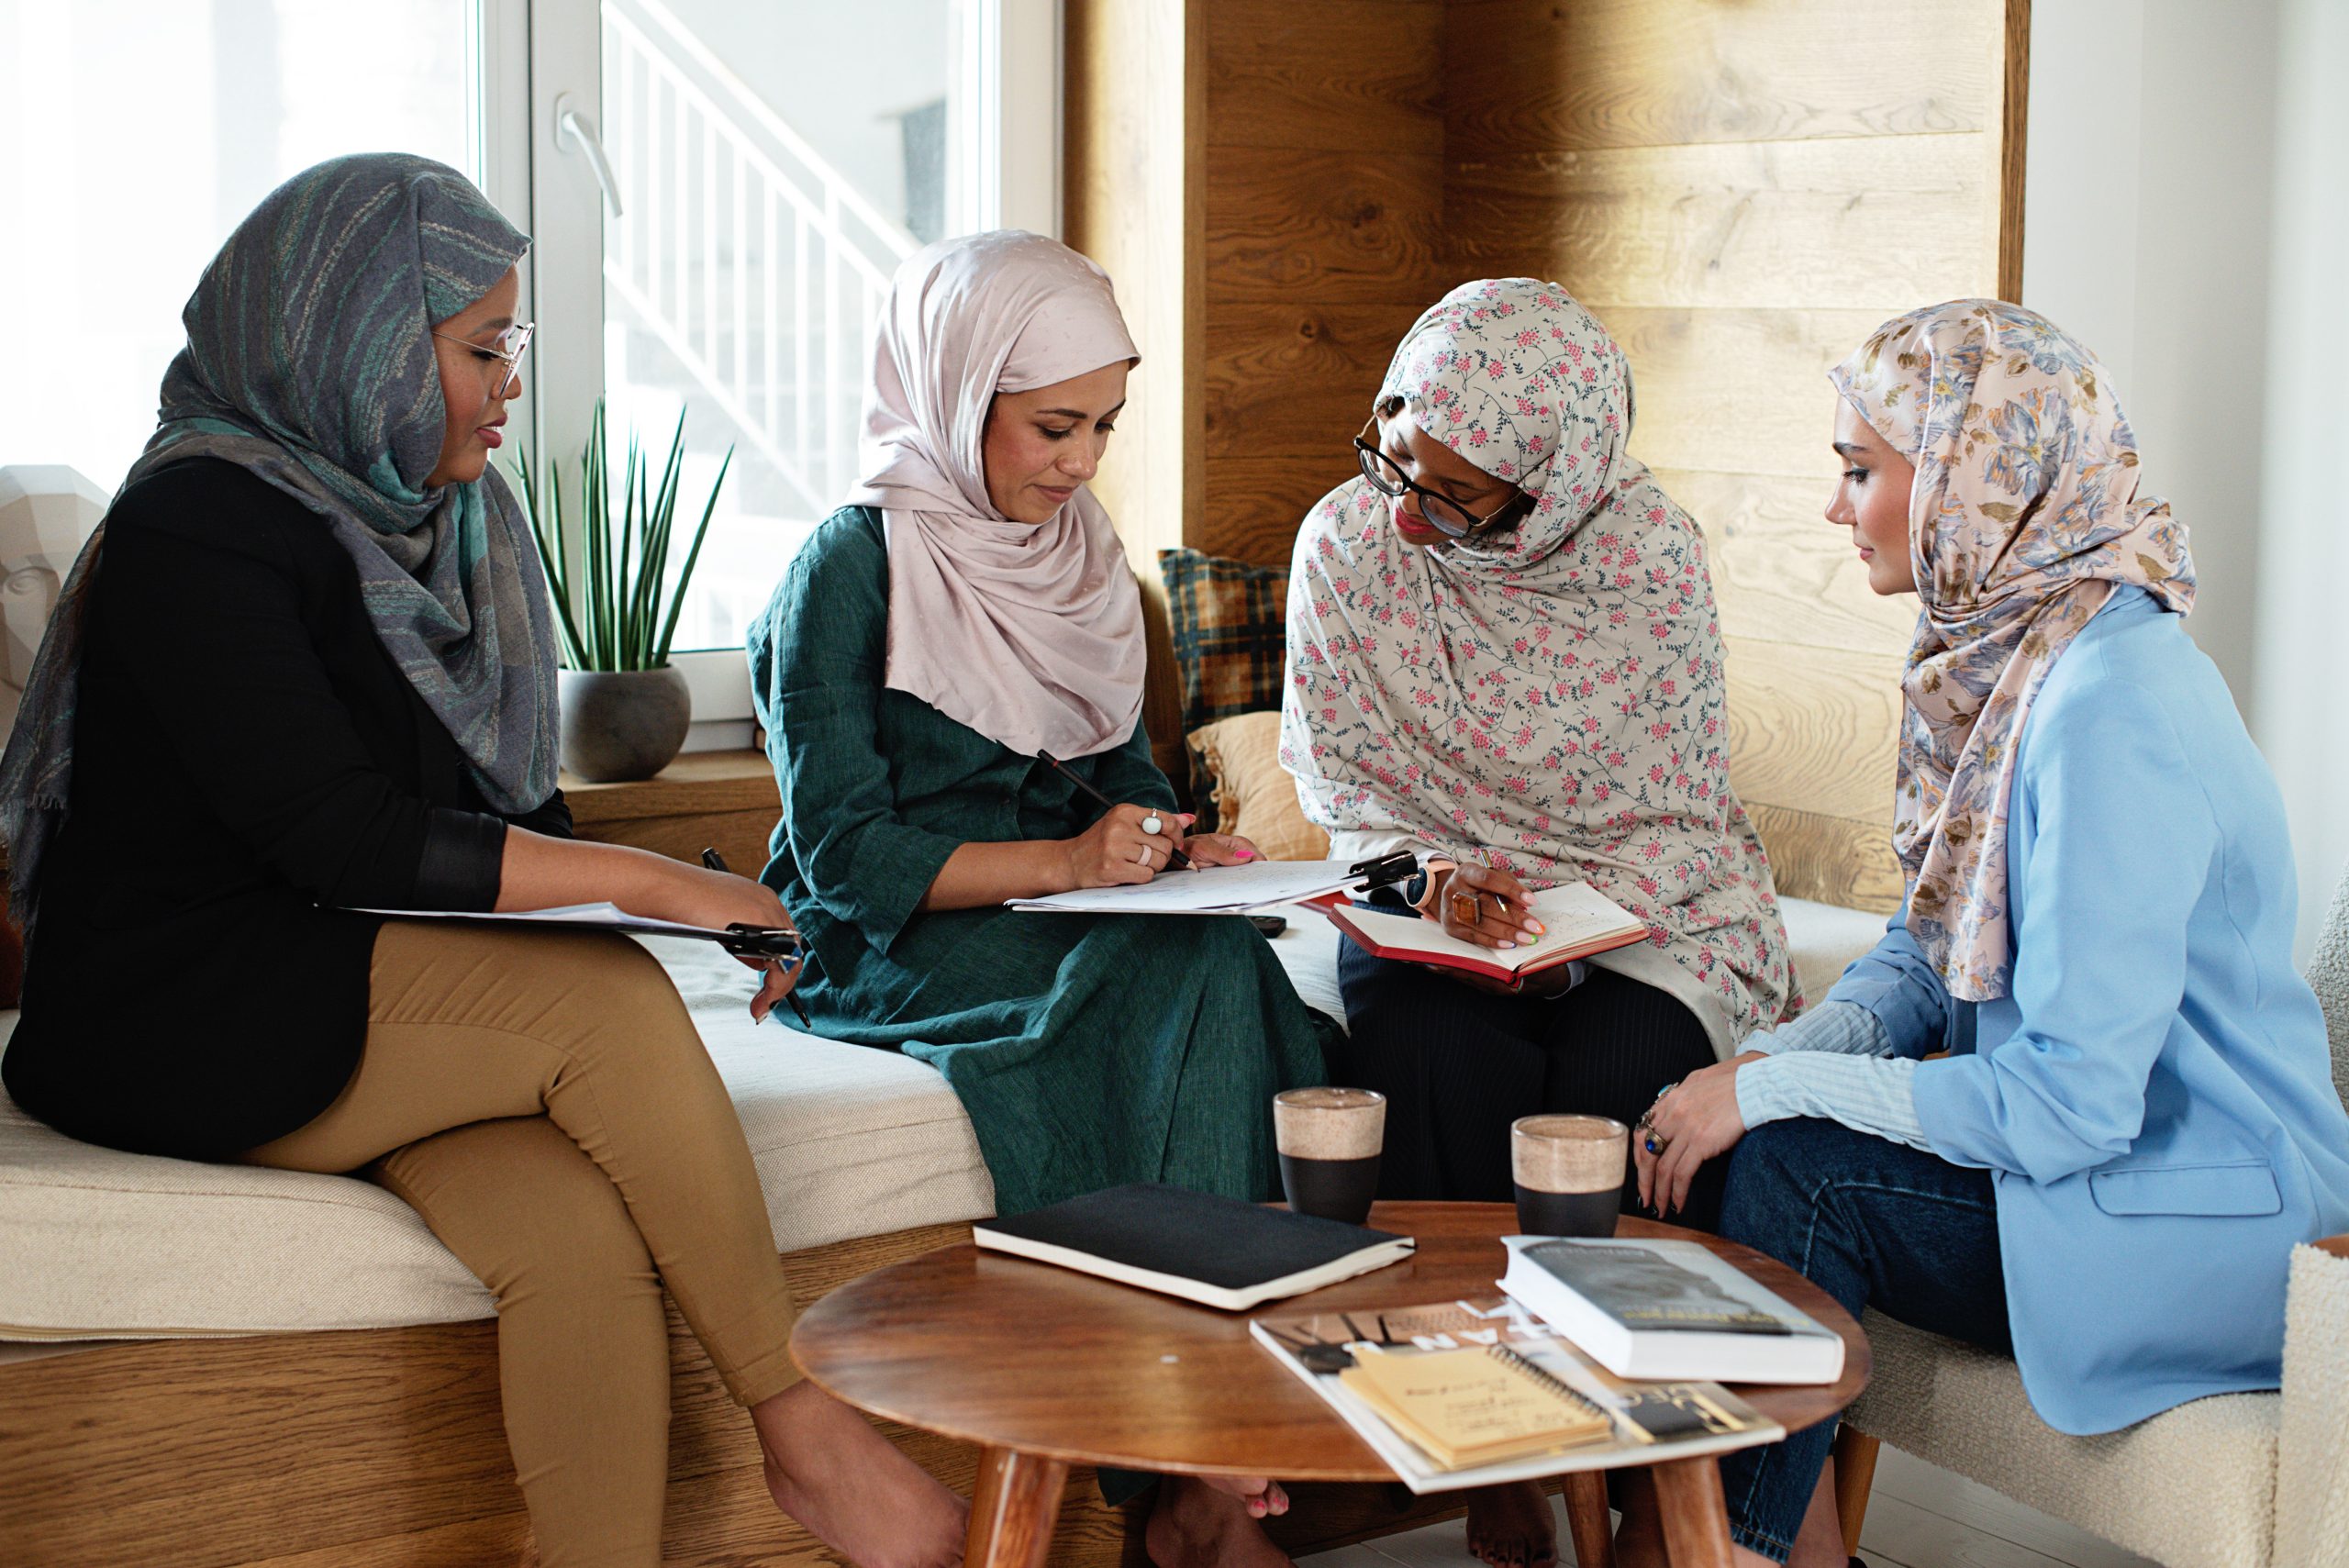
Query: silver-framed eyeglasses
pixel 511 345
pixel 1446 516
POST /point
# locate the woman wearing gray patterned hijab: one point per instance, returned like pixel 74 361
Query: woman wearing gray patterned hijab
pixel 304 671
pixel 304 366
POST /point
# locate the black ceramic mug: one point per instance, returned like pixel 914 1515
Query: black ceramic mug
pixel 1329 1142
pixel 1569 1171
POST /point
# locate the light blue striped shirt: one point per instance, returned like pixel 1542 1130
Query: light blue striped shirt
pixel 1834 1061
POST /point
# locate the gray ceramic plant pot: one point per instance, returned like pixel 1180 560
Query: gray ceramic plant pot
pixel 619 725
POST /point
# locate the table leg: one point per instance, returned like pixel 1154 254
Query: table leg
pixel 1696 1515
pixel 1587 1518
pixel 1018 1500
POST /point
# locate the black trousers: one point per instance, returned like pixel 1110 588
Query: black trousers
pixel 1457 1065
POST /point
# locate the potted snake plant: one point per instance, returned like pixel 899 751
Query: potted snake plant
pixel 624 707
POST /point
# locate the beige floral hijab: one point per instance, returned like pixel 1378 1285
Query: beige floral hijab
pixel 2024 515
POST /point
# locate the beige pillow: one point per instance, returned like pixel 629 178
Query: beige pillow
pixel 1254 797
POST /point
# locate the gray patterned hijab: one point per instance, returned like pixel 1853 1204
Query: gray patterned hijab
pixel 309 363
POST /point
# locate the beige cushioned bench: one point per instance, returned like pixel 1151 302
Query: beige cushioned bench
pixel 849 1141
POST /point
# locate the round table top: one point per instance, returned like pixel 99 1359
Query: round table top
pixel 1004 1353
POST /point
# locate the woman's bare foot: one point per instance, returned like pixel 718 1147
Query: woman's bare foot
pixel 1206 1523
pixel 851 1487
pixel 1510 1526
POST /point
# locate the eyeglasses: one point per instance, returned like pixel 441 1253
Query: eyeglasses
pixel 1446 516
pixel 512 344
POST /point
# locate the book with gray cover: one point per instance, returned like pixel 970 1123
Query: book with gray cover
pixel 1669 1309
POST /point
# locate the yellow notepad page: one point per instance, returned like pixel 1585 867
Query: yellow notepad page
pixel 1469 1406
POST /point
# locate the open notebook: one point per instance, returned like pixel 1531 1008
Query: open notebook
pixel 1581 920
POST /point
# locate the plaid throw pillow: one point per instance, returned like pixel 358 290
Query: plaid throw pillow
pixel 1229 624
pixel 1228 621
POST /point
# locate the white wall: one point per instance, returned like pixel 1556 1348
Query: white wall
pixel 2183 215
pixel 2301 642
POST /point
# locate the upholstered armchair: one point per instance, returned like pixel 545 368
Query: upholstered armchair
pixel 2237 1480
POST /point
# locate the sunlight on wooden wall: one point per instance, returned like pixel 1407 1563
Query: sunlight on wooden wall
pixel 1740 189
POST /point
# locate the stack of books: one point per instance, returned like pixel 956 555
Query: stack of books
pixel 1599 1353
pixel 1460 1394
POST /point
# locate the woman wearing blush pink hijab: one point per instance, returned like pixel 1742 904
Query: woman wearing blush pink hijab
pixel 967 610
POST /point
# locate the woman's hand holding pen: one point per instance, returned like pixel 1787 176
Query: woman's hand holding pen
pixel 1116 851
pixel 718 899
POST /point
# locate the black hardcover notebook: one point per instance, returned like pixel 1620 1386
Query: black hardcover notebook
pixel 1218 1251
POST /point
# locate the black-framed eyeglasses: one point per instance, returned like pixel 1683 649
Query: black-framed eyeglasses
pixel 1446 516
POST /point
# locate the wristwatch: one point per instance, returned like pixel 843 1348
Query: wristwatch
pixel 1418 888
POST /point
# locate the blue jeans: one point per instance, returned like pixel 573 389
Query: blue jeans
pixel 1873 1223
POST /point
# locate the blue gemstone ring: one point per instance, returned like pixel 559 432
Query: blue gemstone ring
pixel 1654 1147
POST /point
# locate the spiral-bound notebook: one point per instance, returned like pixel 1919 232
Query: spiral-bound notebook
pixel 1460 1394
pixel 1475 1405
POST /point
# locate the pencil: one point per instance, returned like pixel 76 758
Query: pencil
pixel 1175 859
pixel 716 861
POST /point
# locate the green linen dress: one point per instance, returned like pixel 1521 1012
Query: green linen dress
pixel 1089 1052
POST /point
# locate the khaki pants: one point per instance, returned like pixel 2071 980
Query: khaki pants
pixel 543 1101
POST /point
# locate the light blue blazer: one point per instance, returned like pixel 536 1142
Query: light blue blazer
pixel 2153 1098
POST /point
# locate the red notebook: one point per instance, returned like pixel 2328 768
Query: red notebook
pixel 1581 920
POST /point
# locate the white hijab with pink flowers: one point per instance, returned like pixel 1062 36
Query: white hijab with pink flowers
pixel 1550 700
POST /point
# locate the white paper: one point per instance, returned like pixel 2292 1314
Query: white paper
pixel 599 916
pixel 1211 890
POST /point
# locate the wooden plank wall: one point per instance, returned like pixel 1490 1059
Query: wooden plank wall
pixel 1132 116
pixel 1741 192
pixel 1323 172
pixel 1741 189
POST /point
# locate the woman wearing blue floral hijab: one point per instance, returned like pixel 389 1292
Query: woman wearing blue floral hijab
pixel 304 670
pixel 2077 1105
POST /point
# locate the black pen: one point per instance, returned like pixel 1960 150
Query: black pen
pixel 715 862
pixel 1175 859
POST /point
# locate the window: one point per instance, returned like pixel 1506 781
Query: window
pixel 718 223
pixel 716 190
pixel 134 137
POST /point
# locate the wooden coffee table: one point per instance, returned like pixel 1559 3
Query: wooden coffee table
pixel 1042 1368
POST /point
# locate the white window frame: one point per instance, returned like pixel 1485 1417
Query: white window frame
pixel 534 50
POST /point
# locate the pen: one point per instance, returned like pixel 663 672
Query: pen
pixel 715 862
pixel 1175 859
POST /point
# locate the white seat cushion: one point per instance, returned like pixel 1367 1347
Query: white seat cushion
pixel 1824 940
pixel 1308 952
pixel 2194 1488
pixel 849 1141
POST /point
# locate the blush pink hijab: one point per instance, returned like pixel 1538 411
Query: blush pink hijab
pixel 1030 633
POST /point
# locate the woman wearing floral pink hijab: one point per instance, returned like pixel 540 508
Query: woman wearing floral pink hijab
pixel 1503 655
pixel 2135 1120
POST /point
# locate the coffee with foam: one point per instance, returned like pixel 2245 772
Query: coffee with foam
pixel 1569 1153
pixel 1330 1124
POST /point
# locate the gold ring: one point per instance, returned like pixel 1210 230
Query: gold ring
pixel 1467 908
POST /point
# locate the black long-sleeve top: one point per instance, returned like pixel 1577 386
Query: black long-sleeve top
pixel 249 765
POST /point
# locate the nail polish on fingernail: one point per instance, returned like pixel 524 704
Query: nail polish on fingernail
pixel 1537 927
pixel 1245 854
pixel 1504 946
